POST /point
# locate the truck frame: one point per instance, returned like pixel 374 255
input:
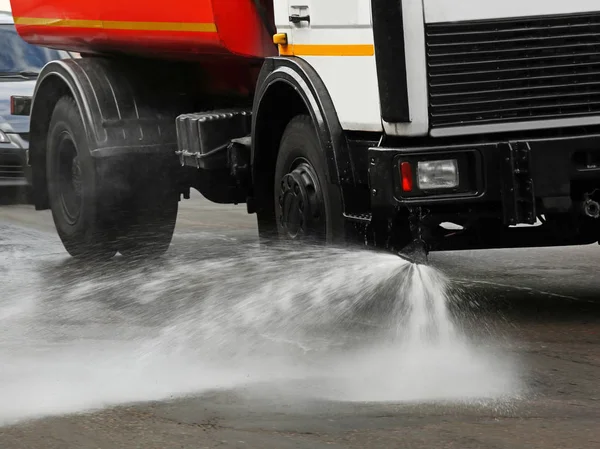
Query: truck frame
pixel 364 122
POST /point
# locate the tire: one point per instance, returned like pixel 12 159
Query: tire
pixel 307 207
pixel 74 194
pixel 147 222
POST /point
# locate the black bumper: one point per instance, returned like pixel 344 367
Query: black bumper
pixel 510 173
pixel 14 171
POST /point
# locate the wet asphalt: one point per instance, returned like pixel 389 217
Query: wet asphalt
pixel 539 307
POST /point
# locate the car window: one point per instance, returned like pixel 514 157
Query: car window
pixel 16 55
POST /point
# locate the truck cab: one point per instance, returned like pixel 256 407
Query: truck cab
pixel 371 122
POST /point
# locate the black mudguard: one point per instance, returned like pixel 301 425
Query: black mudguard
pixel 300 75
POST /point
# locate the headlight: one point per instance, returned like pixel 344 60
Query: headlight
pixel 437 174
pixel 4 138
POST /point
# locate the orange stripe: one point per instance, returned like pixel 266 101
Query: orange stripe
pixel 326 50
pixel 118 25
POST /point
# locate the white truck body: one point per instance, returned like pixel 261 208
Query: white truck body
pixel 349 23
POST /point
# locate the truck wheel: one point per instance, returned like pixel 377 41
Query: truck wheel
pixel 74 196
pixel 147 223
pixel 307 206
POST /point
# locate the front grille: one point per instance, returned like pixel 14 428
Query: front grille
pixel 513 70
pixel 11 167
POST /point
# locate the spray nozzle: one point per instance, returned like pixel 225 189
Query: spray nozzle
pixel 415 252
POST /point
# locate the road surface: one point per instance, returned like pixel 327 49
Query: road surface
pixel 191 351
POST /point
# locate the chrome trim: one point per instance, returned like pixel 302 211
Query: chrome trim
pixel 515 126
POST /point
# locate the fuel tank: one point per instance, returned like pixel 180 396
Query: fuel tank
pixel 178 29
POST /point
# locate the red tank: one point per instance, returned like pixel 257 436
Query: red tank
pixel 183 29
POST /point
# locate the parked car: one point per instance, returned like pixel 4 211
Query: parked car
pixel 20 64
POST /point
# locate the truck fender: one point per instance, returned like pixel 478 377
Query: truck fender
pixel 297 76
pixel 115 109
pixel 57 78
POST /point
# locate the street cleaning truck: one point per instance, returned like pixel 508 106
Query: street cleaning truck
pixel 403 125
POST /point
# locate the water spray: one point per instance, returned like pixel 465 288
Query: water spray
pixel 326 324
pixel 415 252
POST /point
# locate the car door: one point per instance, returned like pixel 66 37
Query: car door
pixel 336 38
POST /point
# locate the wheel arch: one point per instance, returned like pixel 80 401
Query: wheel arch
pixel 287 87
pixel 57 79
pixel 119 104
